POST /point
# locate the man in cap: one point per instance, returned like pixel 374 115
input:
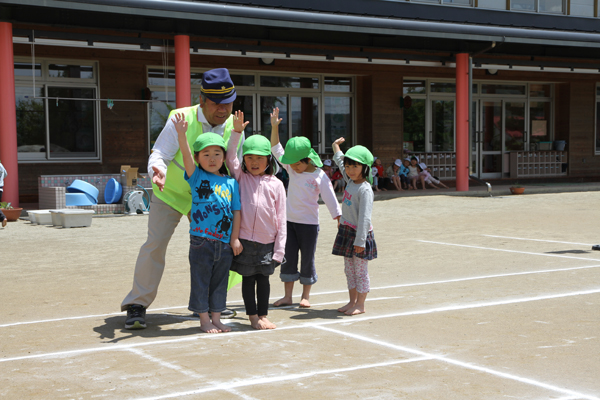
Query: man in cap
pixel 171 193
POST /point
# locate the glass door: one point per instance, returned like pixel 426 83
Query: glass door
pixel 304 113
pixel 245 104
pixel 300 118
pixel 515 137
pixel 441 136
pixel 267 104
pixel 487 139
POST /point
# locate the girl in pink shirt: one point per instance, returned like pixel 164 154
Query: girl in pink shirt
pixel 263 225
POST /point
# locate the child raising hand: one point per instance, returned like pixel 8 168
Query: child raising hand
pixel 355 240
pixel 214 224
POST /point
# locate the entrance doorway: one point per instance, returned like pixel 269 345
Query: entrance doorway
pixel 497 127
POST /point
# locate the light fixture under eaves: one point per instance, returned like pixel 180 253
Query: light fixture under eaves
pixel 492 71
pixel 267 61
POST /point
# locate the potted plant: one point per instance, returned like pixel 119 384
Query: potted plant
pixel 11 213
pixel 517 189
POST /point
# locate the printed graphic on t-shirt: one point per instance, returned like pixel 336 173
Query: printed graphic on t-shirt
pixel 347 198
pixel 204 190
pixel 312 184
pixel 212 197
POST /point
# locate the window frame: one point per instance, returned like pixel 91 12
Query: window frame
pixel 257 90
pixel 44 82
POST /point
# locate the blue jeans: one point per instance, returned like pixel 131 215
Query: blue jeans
pixel 209 271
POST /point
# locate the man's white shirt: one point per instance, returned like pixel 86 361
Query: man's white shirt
pixel 167 143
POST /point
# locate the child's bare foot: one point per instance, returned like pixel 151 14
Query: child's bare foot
pixel 377 189
pixel 355 310
pixel 346 307
pixel 284 301
pixel 266 323
pixel 221 326
pixel 209 328
pixel 304 303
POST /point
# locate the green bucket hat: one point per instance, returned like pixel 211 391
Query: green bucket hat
pixel 257 145
pixel 362 155
pixel 208 139
pixel 298 148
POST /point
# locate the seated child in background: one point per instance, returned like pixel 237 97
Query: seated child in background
pixel 425 172
pixel 382 179
pixel 337 180
pixel 393 172
pixel 413 172
pixel 327 168
pixel 403 173
pixel 374 176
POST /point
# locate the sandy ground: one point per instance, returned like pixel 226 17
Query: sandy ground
pixel 471 298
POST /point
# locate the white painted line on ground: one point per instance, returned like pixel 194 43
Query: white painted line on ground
pixel 184 371
pixel 282 378
pixel 543 271
pixel 509 251
pixel 462 364
pixel 345 320
pixel 404 285
pixel 539 240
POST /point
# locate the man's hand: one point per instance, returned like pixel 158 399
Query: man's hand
pixel 159 178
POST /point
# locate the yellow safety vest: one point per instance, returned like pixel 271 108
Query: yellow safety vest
pixel 177 192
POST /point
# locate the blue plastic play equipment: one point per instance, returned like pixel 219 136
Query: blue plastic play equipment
pixel 80 187
pixel 113 191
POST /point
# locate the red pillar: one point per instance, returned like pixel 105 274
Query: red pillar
pixel 8 116
pixel 183 84
pixel 462 122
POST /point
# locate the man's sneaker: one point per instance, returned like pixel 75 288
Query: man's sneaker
pixel 136 317
pixel 596 247
pixel 227 313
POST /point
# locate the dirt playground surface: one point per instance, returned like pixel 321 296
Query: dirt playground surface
pixel 471 298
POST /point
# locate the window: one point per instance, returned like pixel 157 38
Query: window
pixel 542 6
pixel 318 107
pixel 57 110
pixel 492 4
pixel 584 8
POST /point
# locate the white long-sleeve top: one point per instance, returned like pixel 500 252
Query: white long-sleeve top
pixel 357 204
pixel 3 174
pixel 302 204
pixel 167 144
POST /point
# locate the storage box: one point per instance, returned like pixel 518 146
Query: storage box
pixel 545 145
pixel 40 217
pixel 76 218
pixel 129 175
pixel 56 220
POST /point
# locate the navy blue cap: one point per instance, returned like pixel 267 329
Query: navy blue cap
pixel 218 86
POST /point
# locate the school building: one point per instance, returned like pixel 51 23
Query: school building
pixel 490 88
